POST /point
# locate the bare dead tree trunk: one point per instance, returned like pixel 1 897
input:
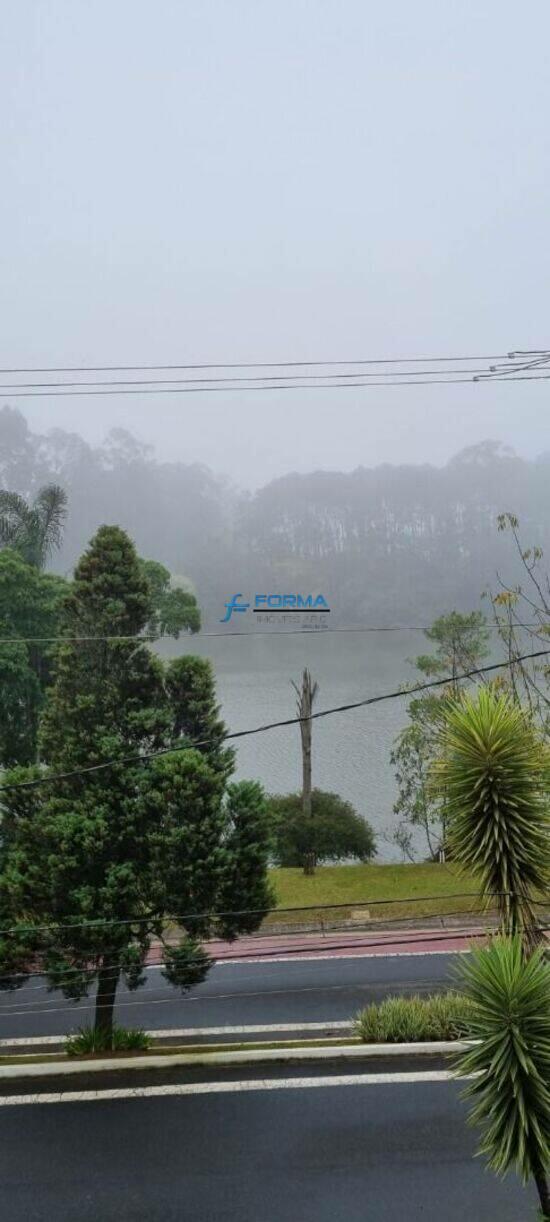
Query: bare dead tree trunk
pixel 306 695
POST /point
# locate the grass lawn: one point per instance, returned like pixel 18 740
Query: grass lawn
pixel 417 891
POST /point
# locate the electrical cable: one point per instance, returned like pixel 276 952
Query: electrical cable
pixel 186 917
pixel 447 936
pixel 144 638
pixel 111 970
pixel 196 390
pixel 145 756
pixel 394 360
pixel 235 381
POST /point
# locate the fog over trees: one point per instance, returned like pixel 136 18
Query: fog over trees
pixel 388 544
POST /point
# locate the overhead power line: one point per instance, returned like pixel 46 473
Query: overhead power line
pixel 415 940
pixel 319 385
pixel 223 377
pixel 146 756
pixel 304 377
pixel 256 951
pixel 502 369
pixel 185 917
pixel 389 360
pixel 306 630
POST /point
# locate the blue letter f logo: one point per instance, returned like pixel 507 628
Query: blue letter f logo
pixel 233 606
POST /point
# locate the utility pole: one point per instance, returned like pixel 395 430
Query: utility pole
pixel 306 695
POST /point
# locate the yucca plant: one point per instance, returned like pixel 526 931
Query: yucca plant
pixel 510 1017
pixel 493 773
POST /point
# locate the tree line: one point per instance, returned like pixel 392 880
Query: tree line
pixel 376 541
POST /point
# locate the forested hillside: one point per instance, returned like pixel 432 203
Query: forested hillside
pixel 384 544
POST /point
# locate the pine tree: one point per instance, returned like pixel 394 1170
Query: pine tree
pixel 245 884
pixel 106 857
pixel 195 714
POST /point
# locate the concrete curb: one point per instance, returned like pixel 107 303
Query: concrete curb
pixel 248 1056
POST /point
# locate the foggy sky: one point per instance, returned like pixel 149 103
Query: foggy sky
pixel 241 180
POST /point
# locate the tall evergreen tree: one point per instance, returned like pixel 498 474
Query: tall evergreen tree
pixel 195 714
pixel 245 885
pixel 105 857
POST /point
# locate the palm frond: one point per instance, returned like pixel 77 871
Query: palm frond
pixel 14 513
pixel 33 530
pixel 50 506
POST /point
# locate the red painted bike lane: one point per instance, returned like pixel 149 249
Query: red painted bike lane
pixel 335 944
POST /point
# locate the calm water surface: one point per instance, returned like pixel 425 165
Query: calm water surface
pixel 350 750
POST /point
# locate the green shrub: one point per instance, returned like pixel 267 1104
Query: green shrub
pixel 402 1020
pixel 333 832
pixel 88 1041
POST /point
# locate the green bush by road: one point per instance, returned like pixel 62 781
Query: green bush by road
pixel 404 1020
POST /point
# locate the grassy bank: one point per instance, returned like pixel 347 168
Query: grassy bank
pixel 416 891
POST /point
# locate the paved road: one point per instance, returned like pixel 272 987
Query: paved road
pixel 357 1153
pixel 297 990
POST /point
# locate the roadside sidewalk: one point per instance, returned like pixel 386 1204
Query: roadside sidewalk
pixel 428 938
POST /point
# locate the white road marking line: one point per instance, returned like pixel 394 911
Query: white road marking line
pixel 187 1032
pixel 212 1088
pixel 327 956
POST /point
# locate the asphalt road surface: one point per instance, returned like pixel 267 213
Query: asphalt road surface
pixel 295 990
pixel 380 1152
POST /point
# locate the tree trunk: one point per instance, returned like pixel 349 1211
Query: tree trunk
pixel 306 695
pixel 543 1190
pixel 309 862
pixel 105 1002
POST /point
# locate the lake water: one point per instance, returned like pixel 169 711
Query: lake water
pixel 350 750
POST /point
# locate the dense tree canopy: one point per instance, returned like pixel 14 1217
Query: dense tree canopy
pixel 30 608
pixel 173 610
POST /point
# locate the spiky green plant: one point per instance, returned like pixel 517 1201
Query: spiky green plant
pixel 88 1040
pixel 510 1017
pixel 493 772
